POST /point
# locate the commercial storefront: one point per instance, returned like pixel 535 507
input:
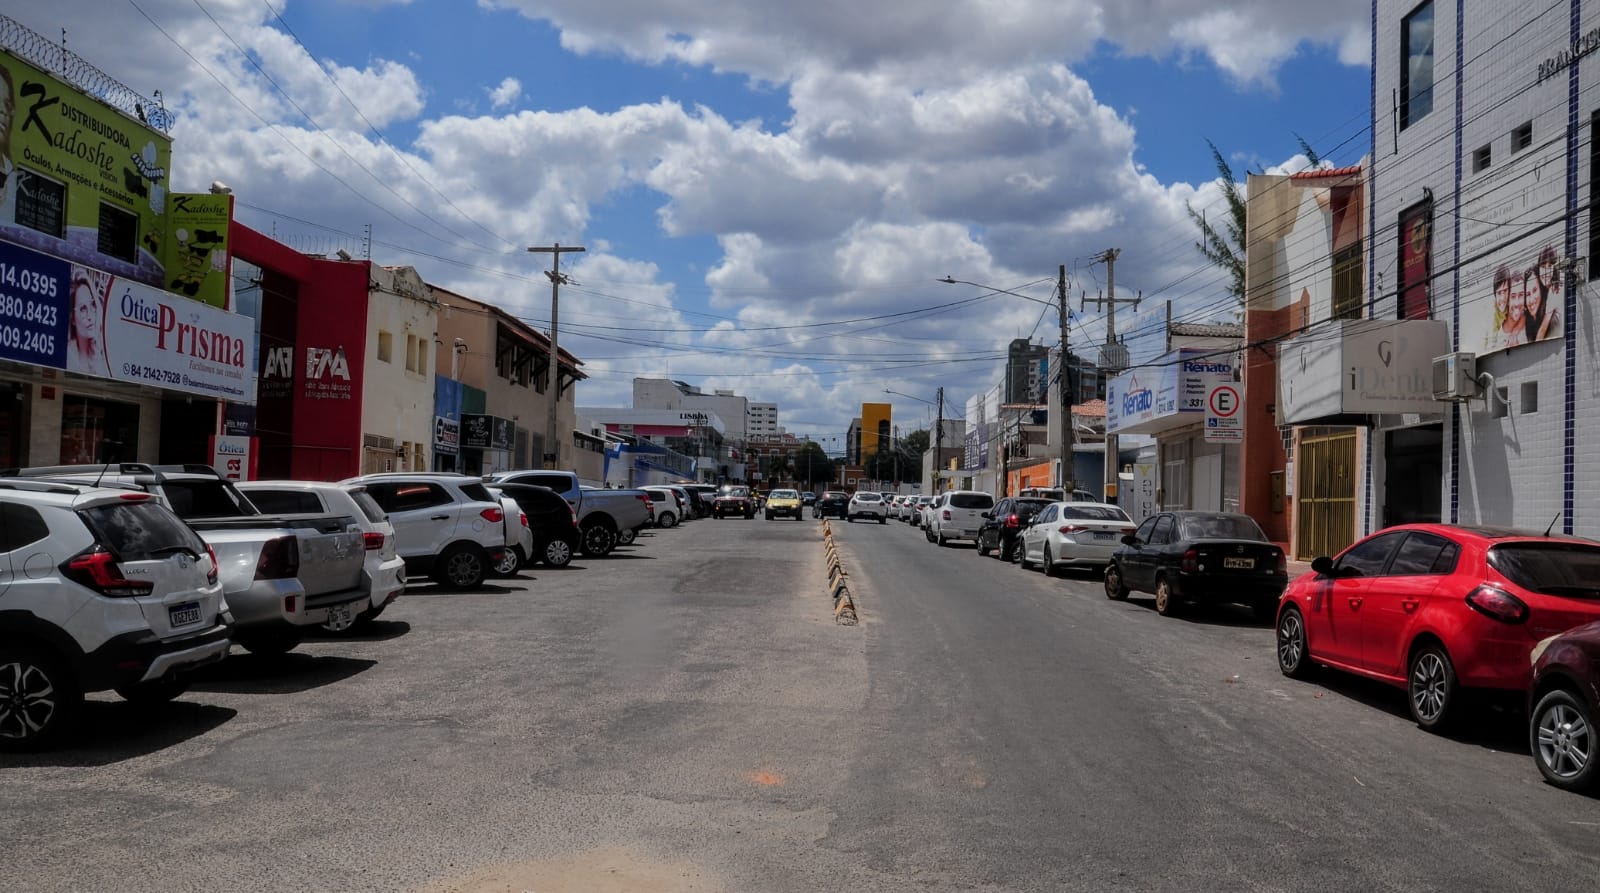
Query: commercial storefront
pixel 1168 398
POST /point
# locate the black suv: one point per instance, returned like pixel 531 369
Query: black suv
pixel 1004 523
pixel 833 503
pixel 554 524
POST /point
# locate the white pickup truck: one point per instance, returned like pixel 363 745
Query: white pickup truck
pixel 281 574
pixel 602 514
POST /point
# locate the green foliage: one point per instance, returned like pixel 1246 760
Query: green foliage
pixel 1224 247
pixel 812 465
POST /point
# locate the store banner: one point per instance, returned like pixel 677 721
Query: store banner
pixel 197 259
pixel 446 436
pixel 234 457
pixel 61 315
pixel 477 431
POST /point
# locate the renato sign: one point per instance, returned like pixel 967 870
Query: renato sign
pixel 1169 392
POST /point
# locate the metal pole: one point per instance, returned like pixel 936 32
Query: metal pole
pixel 552 454
pixel 1112 462
pixel 938 449
pixel 1065 478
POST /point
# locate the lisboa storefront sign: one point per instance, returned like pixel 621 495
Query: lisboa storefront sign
pixel 61 315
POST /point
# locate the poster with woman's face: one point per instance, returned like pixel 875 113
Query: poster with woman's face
pixel 1524 303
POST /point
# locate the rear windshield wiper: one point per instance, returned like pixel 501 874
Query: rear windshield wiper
pixel 174 550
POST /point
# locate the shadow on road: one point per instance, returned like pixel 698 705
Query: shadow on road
pixel 376 631
pixel 277 674
pixel 1493 723
pixel 113 731
pixel 1209 614
pixel 433 589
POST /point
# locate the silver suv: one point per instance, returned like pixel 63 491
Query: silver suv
pixel 99 589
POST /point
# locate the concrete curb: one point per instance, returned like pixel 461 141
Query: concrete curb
pixel 844 604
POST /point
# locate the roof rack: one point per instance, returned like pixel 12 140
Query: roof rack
pixel 38 486
pixel 39 471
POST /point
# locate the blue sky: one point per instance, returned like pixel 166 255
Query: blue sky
pixel 735 170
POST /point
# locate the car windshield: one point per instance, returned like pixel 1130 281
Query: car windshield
pixel 971 501
pixel 206 499
pixel 735 492
pixel 785 494
pixel 1550 568
pixel 1221 527
pixel 1093 513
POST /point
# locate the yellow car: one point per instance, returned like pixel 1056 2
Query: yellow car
pixel 783 503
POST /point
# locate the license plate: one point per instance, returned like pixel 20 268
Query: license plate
pixel 1239 563
pixel 1104 535
pixel 184 614
pixel 338 614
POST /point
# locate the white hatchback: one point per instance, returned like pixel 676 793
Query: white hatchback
pixel 1074 534
pixel 867 504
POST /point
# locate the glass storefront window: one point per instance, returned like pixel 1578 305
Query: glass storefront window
pixel 94 431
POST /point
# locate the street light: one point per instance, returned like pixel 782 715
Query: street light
pixel 1064 422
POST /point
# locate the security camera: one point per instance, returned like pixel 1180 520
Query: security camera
pixel 220 188
pixel 343 254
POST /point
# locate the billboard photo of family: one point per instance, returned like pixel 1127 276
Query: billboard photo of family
pixel 1526 305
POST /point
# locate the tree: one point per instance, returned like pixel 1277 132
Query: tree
pixel 1224 247
pixel 812 465
pixel 915 444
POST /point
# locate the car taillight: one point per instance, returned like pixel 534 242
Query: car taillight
pixel 373 541
pixel 97 569
pixel 1129 531
pixel 574 513
pixel 1073 528
pixel 1497 604
pixel 211 576
pixel 1012 521
pixel 524 517
pixel 492 515
pixel 946 515
pixel 1283 563
pixel 280 559
pixel 1190 562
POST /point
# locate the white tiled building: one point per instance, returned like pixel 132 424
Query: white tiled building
pixel 763 420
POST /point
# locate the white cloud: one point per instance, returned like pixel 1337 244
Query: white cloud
pixel 506 94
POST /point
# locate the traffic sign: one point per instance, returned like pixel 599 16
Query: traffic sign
pixel 1224 424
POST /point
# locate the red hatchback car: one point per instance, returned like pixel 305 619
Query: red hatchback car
pixel 1434 608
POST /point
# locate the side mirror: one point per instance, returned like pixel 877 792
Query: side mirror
pixel 1130 540
pixel 1322 565
pixel 988 515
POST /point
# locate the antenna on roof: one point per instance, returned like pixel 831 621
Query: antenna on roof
pixel 1553 523
pixel 107 467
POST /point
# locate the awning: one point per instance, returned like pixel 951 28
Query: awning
pixel 1344 371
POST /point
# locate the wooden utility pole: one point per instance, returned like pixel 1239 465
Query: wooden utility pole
pixel 1110 360
pixel 938 440
pixel 552 446
pixel 1064 479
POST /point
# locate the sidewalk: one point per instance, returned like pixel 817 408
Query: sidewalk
pixel 1296 568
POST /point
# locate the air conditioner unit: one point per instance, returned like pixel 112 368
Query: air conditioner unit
pixel 1455 377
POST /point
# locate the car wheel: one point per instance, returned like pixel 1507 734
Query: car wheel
pixel 667 519
pixel 268 643
pixel 156 691
pixel 797 517
pixel 1294 655
pixel 927 534
pixel 938 539
pixel 768 516
pixel 462 566
pixel 1022 556
pixel 557 553
pixel 39 699
pixel 1115 590
pixel 507 566
pixel 1431 688
pixel 1562 737
pixel 1166 599
pixel 626 537
pixel 1049 563
pixel 598 540
pixel 882 520
pixel 1007 548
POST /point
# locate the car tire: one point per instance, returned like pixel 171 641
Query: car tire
pixel 983 551
pixel 598 539
pixel 1007 549
pixel 1294 651
pixel 1049 563
pixel 927 534
pixel 626 537
pixel 938 539
pixel 509 564
pixel 883 520
pixel 1166 599
pixel 268 643
pixel 1022 557
pixel 1115 590
pixel 156 691
pixel 1432 691
pixel 799 516
pixel 667 519
pixel 1563 738
pixel 557 553
pixel 40 701
pixel 462 566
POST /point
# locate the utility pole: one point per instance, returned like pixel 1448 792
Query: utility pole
pixel 552 446
pixel 1065 479
pixel 938 441
pixel 1112 359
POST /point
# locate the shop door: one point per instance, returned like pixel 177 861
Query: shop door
pixel 1325 494
pixel 1413 461
pixel 14 405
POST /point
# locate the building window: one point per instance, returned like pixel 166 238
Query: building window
pixel 119 233
pixel 97 431
pixel 1416 65
pixel 41 203
pixel 385 346
pixel 1347 283
pixel 411 353
pixel 1522 137
pixel 1481 159
pixel 423 349
pixel 1416 250
pixel 1530 396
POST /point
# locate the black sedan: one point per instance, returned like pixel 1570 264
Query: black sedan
pixel 554 526
pixel 1215 557
pixel 832 504
pixel 1003 524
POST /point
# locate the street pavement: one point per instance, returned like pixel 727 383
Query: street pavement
pixel 685 715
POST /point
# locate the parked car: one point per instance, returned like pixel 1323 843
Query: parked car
pixel 603 515
pixel 1216 557
pixel 448 526
pixel 784 504
pixel 919 511
pixel 734 500
pixel 867 504
pixel 669 506
pixel 956 515
pixel 704 495
pixel 1437 608
pixel 519 539
pixel 120 594
pixel 1563 701
pixel 832 504
pixel 1074 534
pixel 808 499
pixel 552 524
pixel 1005 522
pixel 385 569
pixel 280 573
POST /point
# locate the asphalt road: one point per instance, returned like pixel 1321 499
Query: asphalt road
pixel 686 716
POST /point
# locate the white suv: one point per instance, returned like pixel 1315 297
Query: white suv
pixel 99 589
pixel 956 515
pixel 867 504
pixel 448 526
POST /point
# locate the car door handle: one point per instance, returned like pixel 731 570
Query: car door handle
pixel 439 518
pixel 1410 604
pixel 1355 602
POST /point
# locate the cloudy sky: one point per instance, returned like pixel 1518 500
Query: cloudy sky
pixel 767 190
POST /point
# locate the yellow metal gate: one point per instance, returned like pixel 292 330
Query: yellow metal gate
pixel 1325 492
